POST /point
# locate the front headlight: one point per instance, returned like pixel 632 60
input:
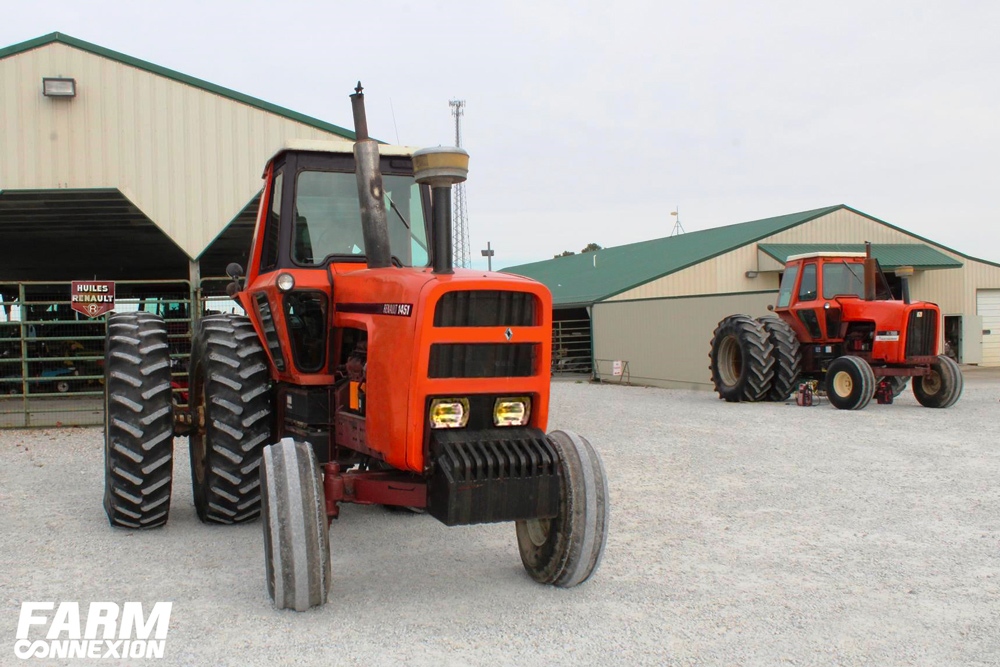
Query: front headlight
pixel 286 281
pixel 511 411
pixel 449 412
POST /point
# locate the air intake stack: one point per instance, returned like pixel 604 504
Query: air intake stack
pixel 441 168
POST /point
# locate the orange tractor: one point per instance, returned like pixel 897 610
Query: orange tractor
pixel 837 323
pixel 367 370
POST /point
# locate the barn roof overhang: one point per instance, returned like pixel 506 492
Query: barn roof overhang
pixel 69 234
pixel 890 256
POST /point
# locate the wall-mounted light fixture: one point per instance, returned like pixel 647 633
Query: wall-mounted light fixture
pixel 58 87
pixel 750 274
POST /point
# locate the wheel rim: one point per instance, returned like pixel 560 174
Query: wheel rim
pixel 730 361
pixel 932 383
pixel 843 384
pixel 62 387
pixel 538 531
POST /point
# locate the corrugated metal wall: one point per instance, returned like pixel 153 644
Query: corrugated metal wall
pixel 190 159
pixel 666 341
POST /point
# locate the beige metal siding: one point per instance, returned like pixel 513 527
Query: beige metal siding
pixel 666 341
pixel 190 159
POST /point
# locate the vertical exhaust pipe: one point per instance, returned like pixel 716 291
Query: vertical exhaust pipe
pixel 374 224
pixel 441 168
pixel 869 273
pixel 904 273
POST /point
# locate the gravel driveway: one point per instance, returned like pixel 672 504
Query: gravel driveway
pixel 741 534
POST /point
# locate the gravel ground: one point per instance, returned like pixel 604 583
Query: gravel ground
pixel 741 534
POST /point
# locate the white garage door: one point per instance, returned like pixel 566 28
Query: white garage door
pixel 988 308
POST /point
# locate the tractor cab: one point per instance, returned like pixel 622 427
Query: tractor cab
pixel 841 302
pixel 311 215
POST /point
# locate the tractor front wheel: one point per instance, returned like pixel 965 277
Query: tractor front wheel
pixel 138 422
pixel 850 383
pixel 230 392
pixel 566 550
pixel 741 361
pixel 942 387
pixel 296 534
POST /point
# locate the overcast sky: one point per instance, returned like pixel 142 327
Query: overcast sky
pixel 591 122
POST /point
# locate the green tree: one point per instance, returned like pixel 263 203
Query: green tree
pixel 592 247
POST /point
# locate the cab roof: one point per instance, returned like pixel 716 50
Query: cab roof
pixel 833 255
pixel 343 147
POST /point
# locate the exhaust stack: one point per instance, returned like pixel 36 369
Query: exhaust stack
pixel 441 168
pixel 904 273
pixel 869 273
pixel 374 223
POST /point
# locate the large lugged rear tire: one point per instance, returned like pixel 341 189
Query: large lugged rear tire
pixel 943 387
pixel 742 364
pixel 296 534
pixel 850 383
pixel 566 550
pixel 231 388
pixel 787 358
pixel 138 422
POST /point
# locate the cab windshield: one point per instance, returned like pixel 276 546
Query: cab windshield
pixel 843 279
pixel 328 219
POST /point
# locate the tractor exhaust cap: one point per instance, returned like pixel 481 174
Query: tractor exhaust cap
pixel 441 168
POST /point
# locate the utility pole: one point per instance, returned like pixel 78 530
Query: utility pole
pixel 488 254
pixel 460 215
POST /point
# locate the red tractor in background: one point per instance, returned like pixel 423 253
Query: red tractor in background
pixel 837 323
pixel 367 370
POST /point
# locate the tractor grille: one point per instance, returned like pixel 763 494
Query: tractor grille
pixel 485 308
pixel 921 333
pixel 270 334
pixel 482 360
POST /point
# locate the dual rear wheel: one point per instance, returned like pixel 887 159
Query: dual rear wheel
pixel 230 396
pixel 754 359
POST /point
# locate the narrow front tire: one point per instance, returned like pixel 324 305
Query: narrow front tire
pixel 296 534
pixel 567 549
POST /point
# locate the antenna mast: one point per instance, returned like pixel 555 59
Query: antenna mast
pixel 678 227
pixel 460 214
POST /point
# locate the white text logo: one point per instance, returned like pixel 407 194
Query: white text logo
pixel 109 630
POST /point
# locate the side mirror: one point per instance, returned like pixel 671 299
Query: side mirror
pixel 234 271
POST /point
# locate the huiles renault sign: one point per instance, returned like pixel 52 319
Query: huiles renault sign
pixel 92 298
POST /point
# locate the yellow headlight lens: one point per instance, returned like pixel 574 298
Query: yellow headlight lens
pixel 449 412
pixel 511 411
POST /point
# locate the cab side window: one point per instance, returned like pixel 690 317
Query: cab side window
pixel 807 287
pixel 269 254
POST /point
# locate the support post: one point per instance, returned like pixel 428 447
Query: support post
pixel 194 307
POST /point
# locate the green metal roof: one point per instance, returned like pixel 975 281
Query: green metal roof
pixel 176 76
pixel 889 255
pixel 594 276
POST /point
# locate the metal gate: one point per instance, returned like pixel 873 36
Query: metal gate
pixel 52 358
pixel 571 347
